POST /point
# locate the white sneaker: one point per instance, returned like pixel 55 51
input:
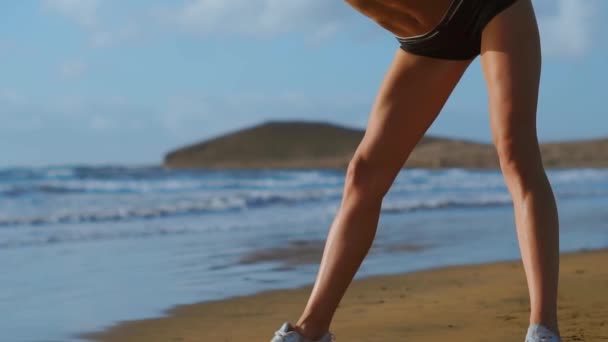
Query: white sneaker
pixel 540 333
pixel 287 334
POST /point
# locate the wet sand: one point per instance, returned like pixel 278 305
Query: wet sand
pixel 301 252
pixel 486 302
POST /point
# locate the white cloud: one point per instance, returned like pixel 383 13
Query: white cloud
pixel 566 25
pixel 101 34
pixel 107 38
pixel 188 117
pixel 568 29
pixel 82 11
pixel 99 114
pixel 10 96
pixel 4 47
pixel 14 114
pixel 262 18
pixel 73 68
pixel 100 123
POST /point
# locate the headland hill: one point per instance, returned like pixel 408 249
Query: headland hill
pixel 321 145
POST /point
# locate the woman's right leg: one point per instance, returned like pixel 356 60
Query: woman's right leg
pixel 410 98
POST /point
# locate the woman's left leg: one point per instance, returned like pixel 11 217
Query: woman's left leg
pixel 511 61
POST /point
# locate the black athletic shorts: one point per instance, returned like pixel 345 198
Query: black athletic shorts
pixel 458 34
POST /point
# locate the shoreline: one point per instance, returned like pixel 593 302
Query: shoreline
pixel 455 301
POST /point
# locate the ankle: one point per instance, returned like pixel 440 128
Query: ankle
pixel 310 330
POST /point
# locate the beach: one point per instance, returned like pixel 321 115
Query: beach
pixel 485 302
pixel 90 248
pixel 171 170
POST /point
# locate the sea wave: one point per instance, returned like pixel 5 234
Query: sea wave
pixel 150 193
pixel 238 201
pixel 446 202
pixel 192 206
pixel 23 183
pixel 52 181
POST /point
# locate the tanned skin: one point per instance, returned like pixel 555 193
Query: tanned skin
pixel 413 92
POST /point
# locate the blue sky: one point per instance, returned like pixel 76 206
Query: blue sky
pixel 109 81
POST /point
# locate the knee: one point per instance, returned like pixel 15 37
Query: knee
pixel 520 160
pixel 366 181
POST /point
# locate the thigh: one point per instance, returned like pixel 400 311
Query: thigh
pixel 412 94
pixel 511 61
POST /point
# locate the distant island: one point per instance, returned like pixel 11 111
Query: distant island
pixel 307 145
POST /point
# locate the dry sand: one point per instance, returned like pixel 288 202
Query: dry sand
pixel 486 302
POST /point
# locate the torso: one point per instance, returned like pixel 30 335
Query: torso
pixel 404 18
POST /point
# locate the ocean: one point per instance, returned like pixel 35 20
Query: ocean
pixel 85 247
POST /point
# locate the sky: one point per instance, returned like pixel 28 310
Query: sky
pixel 125 81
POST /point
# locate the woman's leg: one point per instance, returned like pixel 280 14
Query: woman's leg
pixel 511 61
pixel 411 96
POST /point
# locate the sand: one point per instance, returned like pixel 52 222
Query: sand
pixel 487 302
